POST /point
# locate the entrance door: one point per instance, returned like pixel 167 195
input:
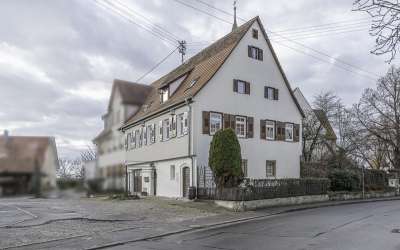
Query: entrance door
pixel 185 181
pixel 137 181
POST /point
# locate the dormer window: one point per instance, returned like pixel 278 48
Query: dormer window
pixel 164 94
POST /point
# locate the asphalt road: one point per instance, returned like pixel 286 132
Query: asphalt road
pixel 374 226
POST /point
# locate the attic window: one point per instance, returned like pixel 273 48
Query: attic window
pixel 164 94
pixel 255 33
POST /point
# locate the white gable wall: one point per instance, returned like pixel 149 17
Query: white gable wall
pixel 218 95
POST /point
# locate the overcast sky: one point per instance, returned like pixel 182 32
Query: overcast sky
pixel 58 57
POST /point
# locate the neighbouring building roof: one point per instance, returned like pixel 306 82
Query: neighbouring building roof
pixel 197 71
pixel 323 119
pixel 131 92
pixel 19 154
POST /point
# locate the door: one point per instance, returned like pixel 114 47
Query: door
pixel 137 181
pixel 185 181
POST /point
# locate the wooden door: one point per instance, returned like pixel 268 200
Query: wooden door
pixel 137 181
pixel 185 181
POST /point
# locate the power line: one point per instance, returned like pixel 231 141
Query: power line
pixel 302 45
pixel 324 34
pixel 116 12
pixel 158 64
pixel 202 11
pixel 156 26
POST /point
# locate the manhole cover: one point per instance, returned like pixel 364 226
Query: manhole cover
pixel 396 230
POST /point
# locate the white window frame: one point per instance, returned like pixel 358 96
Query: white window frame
pixel 164 94
pixel 271 172
pixel 241 87
pixel 270 125
pixel 289 129
pixel 149 131
pixel 180 124
pixel 240 121
pixel 215 118
pixel 172 173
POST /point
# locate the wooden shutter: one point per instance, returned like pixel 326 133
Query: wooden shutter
pixel 276 94
pixel 206 122
pixel 260 54
pixel 232 119
pixel 296 132
pixel 227 121
pixel 249 51
pixel 153 133
pixel 145 135
pixel 235 85
pixel 250 127
pixel 274 168
pixel 247 88
pixel 160 125
pixel 263 131
pixel 265 92
pixel 185 123
pixel 172 127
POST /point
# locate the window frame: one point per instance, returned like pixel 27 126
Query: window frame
pixel 267 165
pixel 288 124
pixel 211 122
pixel 166 128
pixel 254 33
pixel 255 53
pixel 164 94
pixel 243 84
pixel 273 126
pixel 180 124
pixel 244 123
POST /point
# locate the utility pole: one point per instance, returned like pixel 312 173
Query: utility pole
pixel 182 48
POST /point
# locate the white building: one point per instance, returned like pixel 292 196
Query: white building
pixel 236 82
pixel 125 100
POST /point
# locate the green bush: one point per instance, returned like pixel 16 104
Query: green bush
pixel 225 159
pixel 344 180
pixel 69 184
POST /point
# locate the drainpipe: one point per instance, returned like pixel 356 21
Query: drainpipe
pixel 190 138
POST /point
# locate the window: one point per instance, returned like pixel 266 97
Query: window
pixel 271 93
pixel 255 33
pixel 255 53
pixel 137 138
pixel 289 132
pixel 164 94
pixel 244 167
pixel 150 134
pixel 241 87
pixel 180 124
pixel 270 130
pixel 215 122
pixel 240 126
pixel 270 169
pixel 165 129
pixel 172 172
pixel 144 137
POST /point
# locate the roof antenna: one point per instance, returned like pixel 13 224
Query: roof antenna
pixel 234 26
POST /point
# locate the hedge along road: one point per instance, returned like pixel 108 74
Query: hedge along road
pixel 354 226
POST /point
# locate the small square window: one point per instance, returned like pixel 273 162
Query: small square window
pixel 241 87
pixel 255 33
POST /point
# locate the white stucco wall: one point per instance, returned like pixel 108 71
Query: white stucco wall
pixel 218 95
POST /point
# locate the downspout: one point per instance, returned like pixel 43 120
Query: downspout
pixel 190 139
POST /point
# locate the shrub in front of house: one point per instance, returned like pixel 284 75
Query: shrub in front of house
pixel 344 180
pixel 225 159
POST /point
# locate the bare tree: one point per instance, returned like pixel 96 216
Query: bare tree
pixel 385 24
pixel 378 112
pixel 89 154
pixel 312 135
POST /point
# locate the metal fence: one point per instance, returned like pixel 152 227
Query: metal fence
pixel 257 189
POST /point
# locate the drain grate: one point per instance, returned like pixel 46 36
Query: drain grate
pixel 396 230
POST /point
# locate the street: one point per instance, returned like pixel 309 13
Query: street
pixel 358 226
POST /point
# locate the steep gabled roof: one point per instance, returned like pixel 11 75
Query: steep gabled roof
pixel 131 92
pixel 19 154
pixel 198 70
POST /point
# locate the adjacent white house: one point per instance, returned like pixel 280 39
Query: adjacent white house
pixel 126 98
pixel 237 82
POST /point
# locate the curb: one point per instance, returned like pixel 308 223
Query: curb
pixel 237 221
